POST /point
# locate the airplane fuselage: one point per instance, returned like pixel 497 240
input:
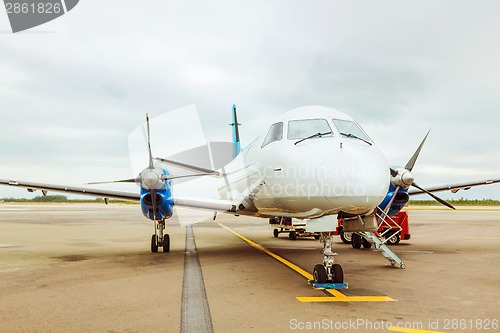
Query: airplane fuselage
pixel 281 174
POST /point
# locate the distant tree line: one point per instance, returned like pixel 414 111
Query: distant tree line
pixel 61 198
pixel 457 202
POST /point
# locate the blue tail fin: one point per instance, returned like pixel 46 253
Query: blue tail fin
pixel 236 133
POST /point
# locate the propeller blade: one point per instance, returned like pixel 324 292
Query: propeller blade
pixel 169 177
pixel 153 200
pixel 411 163
pixel 149 143
pixel 131 180
pixel 188 166
pixel 394 173
pixel 438 199
pixel 388 207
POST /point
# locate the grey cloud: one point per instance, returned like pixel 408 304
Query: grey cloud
pixel 396 67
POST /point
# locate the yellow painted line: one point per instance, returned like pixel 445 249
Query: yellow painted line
pixel 285 262
pixel 409 330
pixel 345 298
pixel 337 296
pixel 481 237
pixel 334 292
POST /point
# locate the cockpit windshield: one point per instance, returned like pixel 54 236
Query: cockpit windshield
pixel 304 128
pixel 349 128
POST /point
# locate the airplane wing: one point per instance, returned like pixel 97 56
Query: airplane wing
pixel 72 189
pixel 454 188
pixel 210 204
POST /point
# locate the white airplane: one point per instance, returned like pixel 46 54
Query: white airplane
pixel 313 163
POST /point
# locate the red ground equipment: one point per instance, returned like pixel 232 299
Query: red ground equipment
pixel 394 229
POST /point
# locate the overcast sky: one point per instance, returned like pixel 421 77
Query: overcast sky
pixel 73 89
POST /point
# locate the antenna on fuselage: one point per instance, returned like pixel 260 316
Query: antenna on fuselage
pixel 236 133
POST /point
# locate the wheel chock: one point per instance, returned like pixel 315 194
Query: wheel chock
pixel 330 285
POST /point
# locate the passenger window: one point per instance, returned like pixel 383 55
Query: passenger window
pixel 300 129
pixel 275 133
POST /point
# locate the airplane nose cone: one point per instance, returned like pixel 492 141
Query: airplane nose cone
pixel 357 178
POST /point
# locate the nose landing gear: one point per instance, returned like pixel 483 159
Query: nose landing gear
pixel 328 272
pixel 158 239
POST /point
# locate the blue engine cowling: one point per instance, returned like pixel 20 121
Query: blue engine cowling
pixel 399 202
pixel 163 201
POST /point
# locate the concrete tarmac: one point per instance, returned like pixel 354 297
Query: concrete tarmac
pixel 88 268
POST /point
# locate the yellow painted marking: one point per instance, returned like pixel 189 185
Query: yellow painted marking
pixel 335 293
pixel 481 237
pixel 275 256
pixel 337 296
pixel 409 330
pixel 345 298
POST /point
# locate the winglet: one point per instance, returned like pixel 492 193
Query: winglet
pixel 236 133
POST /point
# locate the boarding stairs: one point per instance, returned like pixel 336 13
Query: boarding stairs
pixel 379 241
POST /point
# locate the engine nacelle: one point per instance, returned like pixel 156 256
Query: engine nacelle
pixel 399 202
pixel 162 200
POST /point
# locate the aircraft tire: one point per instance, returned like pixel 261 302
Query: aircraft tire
pixel 345 236
pixel 366 244
pixel 154 243
pixel 319 274
pixel 393 239
pixel 166 243
pixel 356 241
pixel 338 273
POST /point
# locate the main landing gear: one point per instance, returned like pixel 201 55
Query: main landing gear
pixel 158 239
pixel 328 271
